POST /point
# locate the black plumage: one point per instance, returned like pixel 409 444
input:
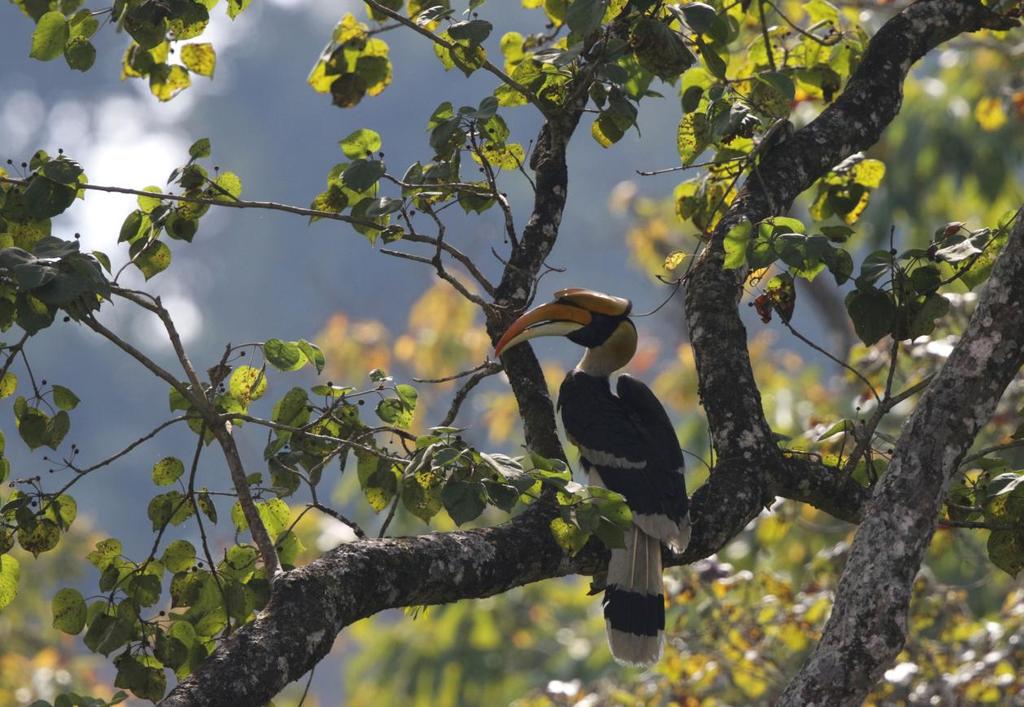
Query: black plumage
pixel 628 445
pixel 631 426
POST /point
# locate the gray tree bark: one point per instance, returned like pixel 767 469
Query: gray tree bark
pixel 312 604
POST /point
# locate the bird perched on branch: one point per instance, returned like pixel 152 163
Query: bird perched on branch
pixel 627 444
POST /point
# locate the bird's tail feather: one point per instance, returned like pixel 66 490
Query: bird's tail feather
pixel 634 606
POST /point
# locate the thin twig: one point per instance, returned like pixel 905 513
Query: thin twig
pixel 141 440
pixel 988 450
pixel 460 396
pixel 257 529
pixel 695 165
pixel 764 35
pixel 193 472
pixel 14 350
pixel 341 519
pixel 302 700
pixel 809 33
pixel 492 181
pixel 832 358
pixel 391 515
pixel 486 65
pixel 239 204
pixel 456 376
pixel 157 308
pixel 867 431
pixel 977 525
pixel 91 322
pixel 451 250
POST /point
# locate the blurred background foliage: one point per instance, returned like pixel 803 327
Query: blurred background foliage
pixel 740 622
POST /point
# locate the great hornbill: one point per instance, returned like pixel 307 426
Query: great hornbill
pixel 627 444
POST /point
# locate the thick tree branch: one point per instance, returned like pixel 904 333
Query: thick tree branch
pixel 868 625
pixel 311 605
pixel 730 396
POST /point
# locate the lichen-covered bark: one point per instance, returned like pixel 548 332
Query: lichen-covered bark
pixel 868 623
pixel 312 604
pixel 854 122
pixel 520 276
pixel 740 433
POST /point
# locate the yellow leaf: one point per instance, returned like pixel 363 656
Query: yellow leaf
pixel 755 277
pixel 166 82
pixel 674 260
pixel 200 58
pixel 990 114
pixel 349 28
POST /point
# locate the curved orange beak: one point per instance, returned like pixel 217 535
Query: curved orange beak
pixel 554 319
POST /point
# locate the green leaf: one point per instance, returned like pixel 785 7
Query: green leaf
pixel 200 148
pixel 10 573
pixel 377 479
pixel 146 682
pixel 283 355
pixel 40 538
pixel 923 314
pixel 464 500
pixel 144 588
pixel 68 607
pixel 50 36
pixel 472 31
pixel 83 25
pixel 840 264
pixel 62 510
pixel 275 515
pixel 693 136
pixel 151 259
pixel 240 562
pixel 293 409
pixel 105 553
pixel 8 384
pixel 312 353
pixel 361 143
pixel 205 503
pixel 363 174
pixel 610 534
pixel 1006 550
pixel 33 427
pixel 712 61
pixel 63 397
pixel 394 412
pixel 170 507
pixel 872 312
pixel 199 58
pixel 236 7
pixel 926 280
pixel 569 536
pixel 80 54
pixel 167 471
pixel 584 16
pixel 108 633
pixel 407 394
pixel 735 243
pixel 179 555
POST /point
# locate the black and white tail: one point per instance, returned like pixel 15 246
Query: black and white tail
pixel 634 604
